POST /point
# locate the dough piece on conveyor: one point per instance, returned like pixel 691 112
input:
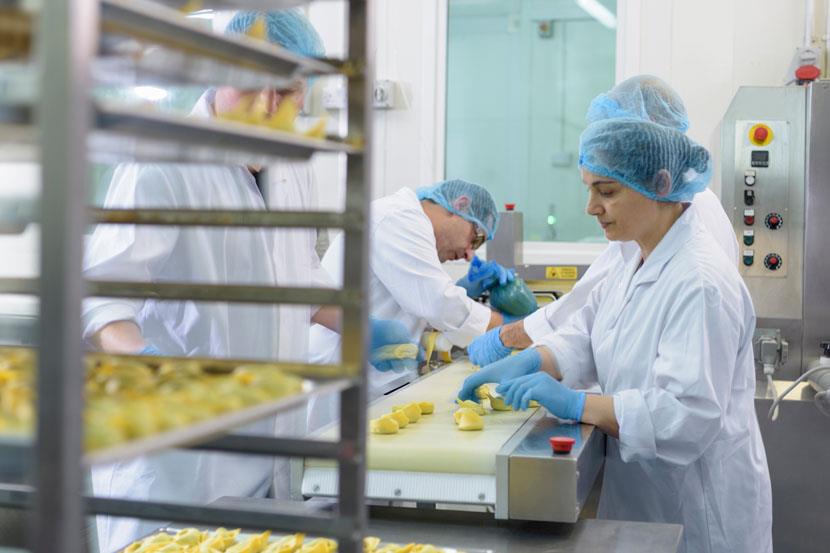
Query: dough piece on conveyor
pixel 472 405
pixel 467 419
pixel 497 403
pixel 412 411
pixel 400 416
pixel 384 425
pixel 427 407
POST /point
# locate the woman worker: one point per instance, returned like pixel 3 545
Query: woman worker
pixel 668 336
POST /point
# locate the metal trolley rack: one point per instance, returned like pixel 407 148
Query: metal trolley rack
pixel 56 120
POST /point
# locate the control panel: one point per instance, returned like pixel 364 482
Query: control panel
pixel 762 193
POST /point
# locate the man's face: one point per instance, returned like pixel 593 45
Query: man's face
pixel 456 239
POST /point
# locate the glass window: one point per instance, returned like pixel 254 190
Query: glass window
pixel 520 76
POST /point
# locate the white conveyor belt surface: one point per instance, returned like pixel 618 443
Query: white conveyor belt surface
pixel 434 443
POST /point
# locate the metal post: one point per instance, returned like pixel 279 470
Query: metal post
pixel 67 37
pixel 352 473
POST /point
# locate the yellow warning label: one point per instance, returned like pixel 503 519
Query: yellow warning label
pixel 560 273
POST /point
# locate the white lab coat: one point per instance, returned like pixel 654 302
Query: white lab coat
pixel 406 283
pixel 544 321
pixel 671 342
pixel 211 255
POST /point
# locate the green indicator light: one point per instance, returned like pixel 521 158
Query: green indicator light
pixel 551 219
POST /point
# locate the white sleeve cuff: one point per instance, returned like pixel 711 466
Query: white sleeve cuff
pixel 637 441
pixel 536 325
pixel 566 356
pixel 476 324
pixel 98 314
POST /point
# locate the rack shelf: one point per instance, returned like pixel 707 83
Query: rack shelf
pixel 51 115
pixel 159 24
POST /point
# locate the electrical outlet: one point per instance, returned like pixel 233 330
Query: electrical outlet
pixel 383 95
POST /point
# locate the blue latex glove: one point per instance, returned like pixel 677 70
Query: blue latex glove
pixel 484 275
pixel 554 396
pixel 389 333
pixel 527 362
pixel 487 348
pixel 150 349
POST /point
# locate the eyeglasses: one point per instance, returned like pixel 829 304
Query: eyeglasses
pixel 479 239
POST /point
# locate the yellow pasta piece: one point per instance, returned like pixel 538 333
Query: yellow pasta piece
pixel 283 119
pixel 412 410
pixel 318 130
pixel 401 417
pixel 427 407
pixel 253 544
pixel 457 415
pixel 473 405
pixel 467 419
pixel 497 403
pixel 220 539
pixel 482 392
pixel 189 536
pixel 384 425
pixel 239 112
pixel 370 543
pixel 288 544
pixel 258 30
pixel 320 545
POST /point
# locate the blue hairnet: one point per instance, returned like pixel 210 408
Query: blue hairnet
pixel 642 97
pixel 659 162
pixel 480 209
pixel 289 28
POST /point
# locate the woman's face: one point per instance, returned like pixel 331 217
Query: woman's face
pixel 623 213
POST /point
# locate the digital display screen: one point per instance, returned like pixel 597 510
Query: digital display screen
pixel 760 158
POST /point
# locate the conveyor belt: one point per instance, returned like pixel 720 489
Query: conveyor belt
pixel 434 444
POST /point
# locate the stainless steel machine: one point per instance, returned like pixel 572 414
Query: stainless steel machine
pixel 776 190
pixel 775 174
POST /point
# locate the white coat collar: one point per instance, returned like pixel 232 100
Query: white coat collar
pixel 672 242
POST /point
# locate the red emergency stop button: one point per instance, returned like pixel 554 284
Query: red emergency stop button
pixel 760 134
pixel 807 73
pixel 562 444
pixel 509 207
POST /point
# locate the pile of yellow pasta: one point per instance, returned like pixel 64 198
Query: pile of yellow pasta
pixel 127 400
pixel 400 417
pixel 191 540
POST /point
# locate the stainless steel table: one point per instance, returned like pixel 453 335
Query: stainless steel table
pixel 477 531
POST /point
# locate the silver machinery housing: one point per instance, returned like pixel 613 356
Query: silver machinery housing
pixel 776 196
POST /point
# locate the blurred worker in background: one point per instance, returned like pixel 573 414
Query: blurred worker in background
pixel 412 233
pixel 667 335
pixel 252 256
pixel 643 97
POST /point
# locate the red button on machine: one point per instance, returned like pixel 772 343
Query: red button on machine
pixel 773 261
pixel 773 220
pixel 509 207
pixel 562 444
pixel 760 134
